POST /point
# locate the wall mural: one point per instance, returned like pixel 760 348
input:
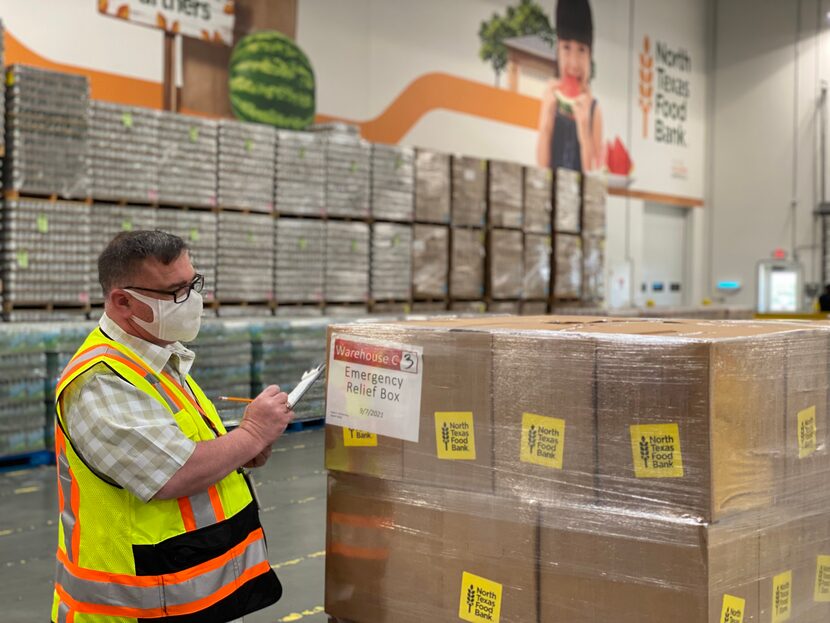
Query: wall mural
pixel 271 81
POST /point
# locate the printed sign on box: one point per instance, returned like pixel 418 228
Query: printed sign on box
pixel 375 386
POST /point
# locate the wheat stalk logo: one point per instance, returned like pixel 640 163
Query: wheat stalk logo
pixel 646 82
pixel 471 598
pixel 445 436
pixel 644 450
pixel 531 437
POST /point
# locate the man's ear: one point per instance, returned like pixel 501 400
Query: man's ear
pixel 120 303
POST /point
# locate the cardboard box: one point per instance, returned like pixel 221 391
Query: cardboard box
pixel 506 258
pixel 455 390
pixel 598 565
pixel 689 415
pixel 400 553
pixel 430 261
pixel 537 256
pixel 806 419
pixel 432 186
pixel 538 200
pixel 567 252
pixel 543 412
pixel 505 192
pixel 469 191
pixel 467 264
pixel 791 543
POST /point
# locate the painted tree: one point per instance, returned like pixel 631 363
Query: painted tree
pixel 527 18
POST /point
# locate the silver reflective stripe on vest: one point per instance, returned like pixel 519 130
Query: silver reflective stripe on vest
pixel 203 511
pixel 63 612
pixel 67 514
pixel 159 387
pixel 166 591
pixel 210 582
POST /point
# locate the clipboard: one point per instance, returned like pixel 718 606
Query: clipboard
pixel 308 379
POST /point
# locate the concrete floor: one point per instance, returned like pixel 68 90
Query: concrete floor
pixel 292 490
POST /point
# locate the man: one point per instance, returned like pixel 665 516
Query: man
pixel 157 521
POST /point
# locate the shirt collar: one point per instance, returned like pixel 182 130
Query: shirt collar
pixel 157 357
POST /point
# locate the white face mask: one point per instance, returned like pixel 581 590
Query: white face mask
pixel 172 322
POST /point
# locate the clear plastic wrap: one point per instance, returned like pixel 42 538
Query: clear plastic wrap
pixel 123 152
pixel 47 117
pixel 348 159
pixel 593 212
pixel 506 257
pixel 347 262
pixel 467 263
pixel 593 268
pixel 469 191
pixel 595 470
pixel 567 201
pixel 430 258
pixel 188 162
pixel 300 260
pixel 245 258
pixel 537 256
pixel 300 173
pixel 505 192
pixel 393 182
pixel 246 165
pixel 538 200
pixel 432 187
pixel 567 251
pixel 46 257
pixel 391 277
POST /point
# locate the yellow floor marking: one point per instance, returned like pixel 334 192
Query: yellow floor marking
pixel 297 561
pixel 296 616
pixel 26 490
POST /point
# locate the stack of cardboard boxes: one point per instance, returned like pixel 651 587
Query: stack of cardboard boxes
pixel 591 470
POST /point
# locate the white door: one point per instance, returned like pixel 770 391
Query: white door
pixel 665 255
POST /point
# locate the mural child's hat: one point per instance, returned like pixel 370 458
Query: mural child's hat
pixel 574 21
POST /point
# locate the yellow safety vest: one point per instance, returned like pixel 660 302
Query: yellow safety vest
pixel 200 558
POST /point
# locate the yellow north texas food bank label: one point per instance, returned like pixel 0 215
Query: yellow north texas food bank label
pixel 822 593
pixel 782 597
pixel 480 599
pixel 733 609
pixel 655 450
pixel 543 440
pixel 359 438
pixel 455 435
pixel 806 432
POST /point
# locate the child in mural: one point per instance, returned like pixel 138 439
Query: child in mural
pixel 570 121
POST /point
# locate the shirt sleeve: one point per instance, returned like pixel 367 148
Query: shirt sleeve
pixel 125 434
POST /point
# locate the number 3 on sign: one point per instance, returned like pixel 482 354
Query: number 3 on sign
pixel 409 362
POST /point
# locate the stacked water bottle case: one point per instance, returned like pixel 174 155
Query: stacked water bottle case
pixel 46 132
pixel 246 165
pixel 123 149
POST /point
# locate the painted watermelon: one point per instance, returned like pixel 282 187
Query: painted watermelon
pixel 271 81
pixel 568 90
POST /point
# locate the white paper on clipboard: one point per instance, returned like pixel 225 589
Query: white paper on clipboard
pixel 308 379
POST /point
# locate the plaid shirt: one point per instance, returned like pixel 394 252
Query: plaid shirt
pixel 122 432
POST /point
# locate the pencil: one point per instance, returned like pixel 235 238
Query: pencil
pixel 235 399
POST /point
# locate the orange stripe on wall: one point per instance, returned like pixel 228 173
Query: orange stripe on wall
pixel 439 91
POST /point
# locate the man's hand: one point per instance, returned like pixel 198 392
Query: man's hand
pixel 267 416
pixel 260 459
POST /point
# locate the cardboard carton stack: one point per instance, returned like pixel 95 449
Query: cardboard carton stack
pixel 469 191
pixel 300 253
pixel 505 191
pixel 246 165
pixel 584 470
pixel 467 264
pixel 432 187
pixel 300 173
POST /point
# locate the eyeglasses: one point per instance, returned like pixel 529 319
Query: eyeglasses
pixel 181 294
